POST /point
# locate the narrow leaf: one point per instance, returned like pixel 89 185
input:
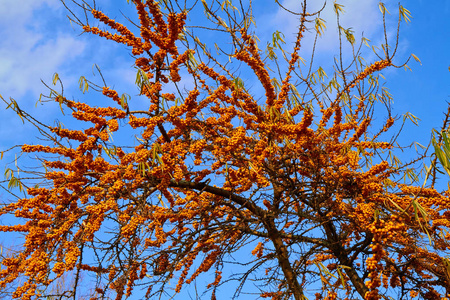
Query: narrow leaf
pixel 416 58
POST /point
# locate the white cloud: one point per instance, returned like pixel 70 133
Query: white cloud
pixel 33 45
pixel 363 17
pixel 20 11
pixel 21 69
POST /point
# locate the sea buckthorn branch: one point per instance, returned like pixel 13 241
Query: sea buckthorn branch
pixel 282 176
pixel 43 129
pixel 341 255
pixel 374 67
pixel 438 143
pixel 201 186
pixel 116 26
pixel 285 86
pixel 293 237
pixel 273 233
pixel 251 57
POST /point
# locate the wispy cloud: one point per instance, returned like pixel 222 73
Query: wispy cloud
pixel 363 17
pixel 34 45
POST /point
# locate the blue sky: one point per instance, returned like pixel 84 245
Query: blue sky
pixel 38 40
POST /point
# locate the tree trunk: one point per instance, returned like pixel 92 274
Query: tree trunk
pixel 342 256
pixel 283 259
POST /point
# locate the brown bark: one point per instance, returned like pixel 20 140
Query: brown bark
pixel 273 234
pixel 341 255
pixel 283 259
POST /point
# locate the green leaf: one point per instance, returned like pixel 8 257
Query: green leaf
pixel 320 26
pixel 349 35
pixel 416 58
pixel 412 118
pixel 324 269
pixel 277 37
pixel 124 100
pixel 107 151
pixel 84 85
pixel 238 83
pixel 60 101
pixel 342 278
pixel 226 4
pixel 276 84
pixel 338 8
pixel 446 262
pixel 161 201
pixel 365 41
pixel 8 173
pixel 192 61
pixel 55 78
pixel 442 152
pixel 39 100
pixel 405 14
pixel 383 8
pixel 271 54
pixel 321 73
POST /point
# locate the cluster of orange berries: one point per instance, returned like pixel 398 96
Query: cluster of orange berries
pixel 206 264
pixel 258 251
pixel 71 134
pixel 130 228
pixel 282 96
pixel 371 263
pixel 376 66
pixel 320 257
pixel 360 130
pixel 377 169
pixel 217 279
pixel 114 96
pixel 70 153
pixel 174 66
pixel 273 295
pixel 187 262
pixel 331 296
pixel 372 295
pixel 25 292
pixel 113 24
pixel 261 72
pixel 421 191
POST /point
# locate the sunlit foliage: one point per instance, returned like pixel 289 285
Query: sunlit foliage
pixel 244 155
